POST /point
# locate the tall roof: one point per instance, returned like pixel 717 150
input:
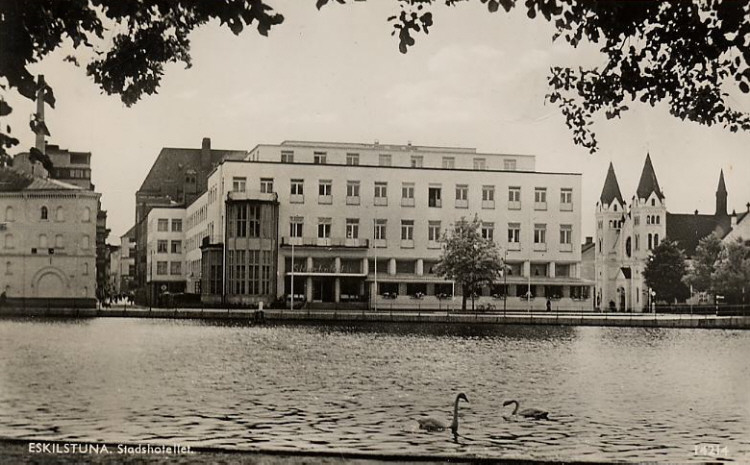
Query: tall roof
pixel 648 182
pixel 722 186
pixel 611 188
pixel 688 229
pixel 167 174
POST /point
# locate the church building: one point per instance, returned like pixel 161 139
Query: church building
pixel 626 233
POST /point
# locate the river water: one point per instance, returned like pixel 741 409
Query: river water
pixel 620 394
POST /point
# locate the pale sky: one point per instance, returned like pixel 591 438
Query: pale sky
pixel 477 80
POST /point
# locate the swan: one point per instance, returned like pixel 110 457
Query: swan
pixel 431 424
pixel 534 413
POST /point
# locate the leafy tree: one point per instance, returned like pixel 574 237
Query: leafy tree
pixel 704 261
pixel 468 258
pixel 732 275
pixel 665 271
pixel 685 54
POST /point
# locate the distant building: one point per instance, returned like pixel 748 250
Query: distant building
pixel 47 254
pixel 359 224
pixel 177 178
pixel 74 168
pixel 627 233
pixel 124 269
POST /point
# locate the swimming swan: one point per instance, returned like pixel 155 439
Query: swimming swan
pixel 534 413
pixel 431 424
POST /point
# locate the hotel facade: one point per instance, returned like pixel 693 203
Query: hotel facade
pixel 360 224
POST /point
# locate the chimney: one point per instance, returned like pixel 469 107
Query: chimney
pixel 206 153
pixel 40 142
pixel 589 240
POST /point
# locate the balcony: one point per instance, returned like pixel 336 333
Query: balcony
pixel 252 195
pixel 540 206
pixel 566 207
pixel 434 245
pixel 462 203
pixel 380 201
pixel 325 199
pixel 297 198
pixel 325 242
pixel 488 204
pixel 352 200
pixel 514 205
pixel 407 201
pixel 514 246
pixel 566 247
pixel 407 243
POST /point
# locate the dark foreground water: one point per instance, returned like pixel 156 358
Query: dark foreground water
pixel 628 394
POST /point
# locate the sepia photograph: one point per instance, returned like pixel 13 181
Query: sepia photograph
pixel 374 231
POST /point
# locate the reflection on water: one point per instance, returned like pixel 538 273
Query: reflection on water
pixel 613 393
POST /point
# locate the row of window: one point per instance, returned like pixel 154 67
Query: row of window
pixel 434 193
pixel 653 242
pixel 249 271
pixel 173 268
pixel 162 225
pixel 9 268
pixel 434 231
pixel 163 246
pixel 385 159
pixel 44 243
pixel 617 224
pixel 44 214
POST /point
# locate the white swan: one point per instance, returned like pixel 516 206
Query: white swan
pixel 431 424
pixel 534 413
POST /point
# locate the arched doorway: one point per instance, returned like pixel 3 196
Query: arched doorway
pixel 50 283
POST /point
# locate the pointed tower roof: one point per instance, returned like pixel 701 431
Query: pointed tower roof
pixel 648 182
pixel 611 188
pixel 722 187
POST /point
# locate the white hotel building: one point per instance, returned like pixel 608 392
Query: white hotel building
pixel 328 215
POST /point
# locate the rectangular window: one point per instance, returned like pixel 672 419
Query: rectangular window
pixel 488 193
pixel 176 225
pixel 509 164
pixel 352 192
pixel 319 158
pixel 540 198
pixel 352 159
pixel 434 196
pixel 298 187
pixel 176 247
pixel 480 164
pixel 380 230
pixel 161 268
pixel 239 184
pixel 514 233
pixel 324 187
pixel 433 231
pixel 175 268
pixel 161 246
pixel 384 159
pixel 352 228
pixel 324 228
pixel 407 230
pixel 449 162
pixel 253 221
pixel 266 185
pixel 296 224
pixel 381 193
pixel 488 231
pixel 462 196
pixel 566 200
pixel 162 225
pixel 241 221
pixel 514 198
pixel 407 194
pixel 566 234
pixel 287 156
pixel 540 234
pixel 417 161
pixel 488 197
pixel 636 221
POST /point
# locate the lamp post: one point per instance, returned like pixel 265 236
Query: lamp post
pixel 505 279
pixel 292 277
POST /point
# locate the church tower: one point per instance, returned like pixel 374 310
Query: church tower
pixel 721 196
pixel 610 216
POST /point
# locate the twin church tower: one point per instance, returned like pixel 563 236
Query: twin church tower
pixel 627 233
